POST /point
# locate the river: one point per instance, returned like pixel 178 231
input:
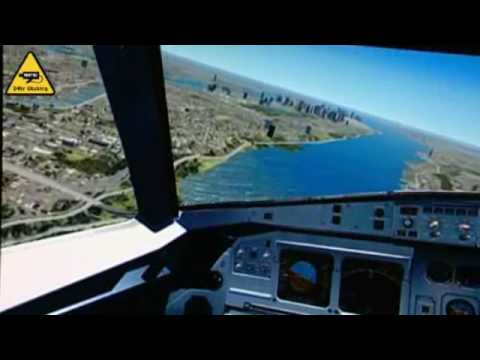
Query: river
pixel 366 164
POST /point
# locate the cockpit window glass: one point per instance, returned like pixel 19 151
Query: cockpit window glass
pixel 64 169
pixel 266 122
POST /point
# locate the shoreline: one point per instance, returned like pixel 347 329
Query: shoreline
pixel 445 170
pixel 207 163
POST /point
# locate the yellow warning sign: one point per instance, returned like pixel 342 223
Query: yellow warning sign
pixel 30 79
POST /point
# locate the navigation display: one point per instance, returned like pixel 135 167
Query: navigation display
pixel 266 122
pixel 371 287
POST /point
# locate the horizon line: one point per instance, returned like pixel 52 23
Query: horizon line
pixel 339 104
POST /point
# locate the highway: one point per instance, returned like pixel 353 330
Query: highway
pixel 89 201
pixel 280 143
pixel 83 103
pixel 75 85
pixel 185 159
pixel 38 178
pixel 48 218
pixel 84 207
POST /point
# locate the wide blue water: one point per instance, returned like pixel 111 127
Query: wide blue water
pixel 188 84
pixel 367 164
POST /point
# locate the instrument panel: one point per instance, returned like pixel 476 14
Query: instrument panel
pixel 286 273
pixel 385 255
pixel 321 275
pixel 444 223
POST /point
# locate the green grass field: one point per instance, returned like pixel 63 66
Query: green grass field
pixel 124 201
pixel 272 112
pixel 104 164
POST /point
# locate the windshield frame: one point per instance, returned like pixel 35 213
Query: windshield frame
pixel 141 117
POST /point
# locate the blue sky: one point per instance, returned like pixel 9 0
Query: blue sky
pixel 434 92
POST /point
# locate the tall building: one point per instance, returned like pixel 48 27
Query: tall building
pixel 271 131
pixel 317 110
pixel 300 105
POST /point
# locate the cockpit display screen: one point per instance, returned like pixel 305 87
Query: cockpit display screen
pixel 371 287
pixel 305 277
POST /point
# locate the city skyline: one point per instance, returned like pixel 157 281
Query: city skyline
pixel 437 93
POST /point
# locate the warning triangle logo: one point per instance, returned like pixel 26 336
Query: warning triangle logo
pixel 30 79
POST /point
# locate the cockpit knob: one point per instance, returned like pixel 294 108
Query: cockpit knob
pixel 464 232
pixel 408 223
pixel 434 225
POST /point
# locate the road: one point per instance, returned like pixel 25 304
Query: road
pixel 74 85
pixel 185 159
pixel 95 202
pixel 280 143
pixel 47 182
pixel 229 155
pixel 83 103
pixel 89 201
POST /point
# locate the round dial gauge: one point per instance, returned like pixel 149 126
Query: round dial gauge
pixel 440 272
pixel 460 307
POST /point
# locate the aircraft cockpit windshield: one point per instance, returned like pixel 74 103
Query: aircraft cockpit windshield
pixel 247 123
pixel 258 122
pixel 240 180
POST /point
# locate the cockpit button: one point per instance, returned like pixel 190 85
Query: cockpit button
pixel 408 223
